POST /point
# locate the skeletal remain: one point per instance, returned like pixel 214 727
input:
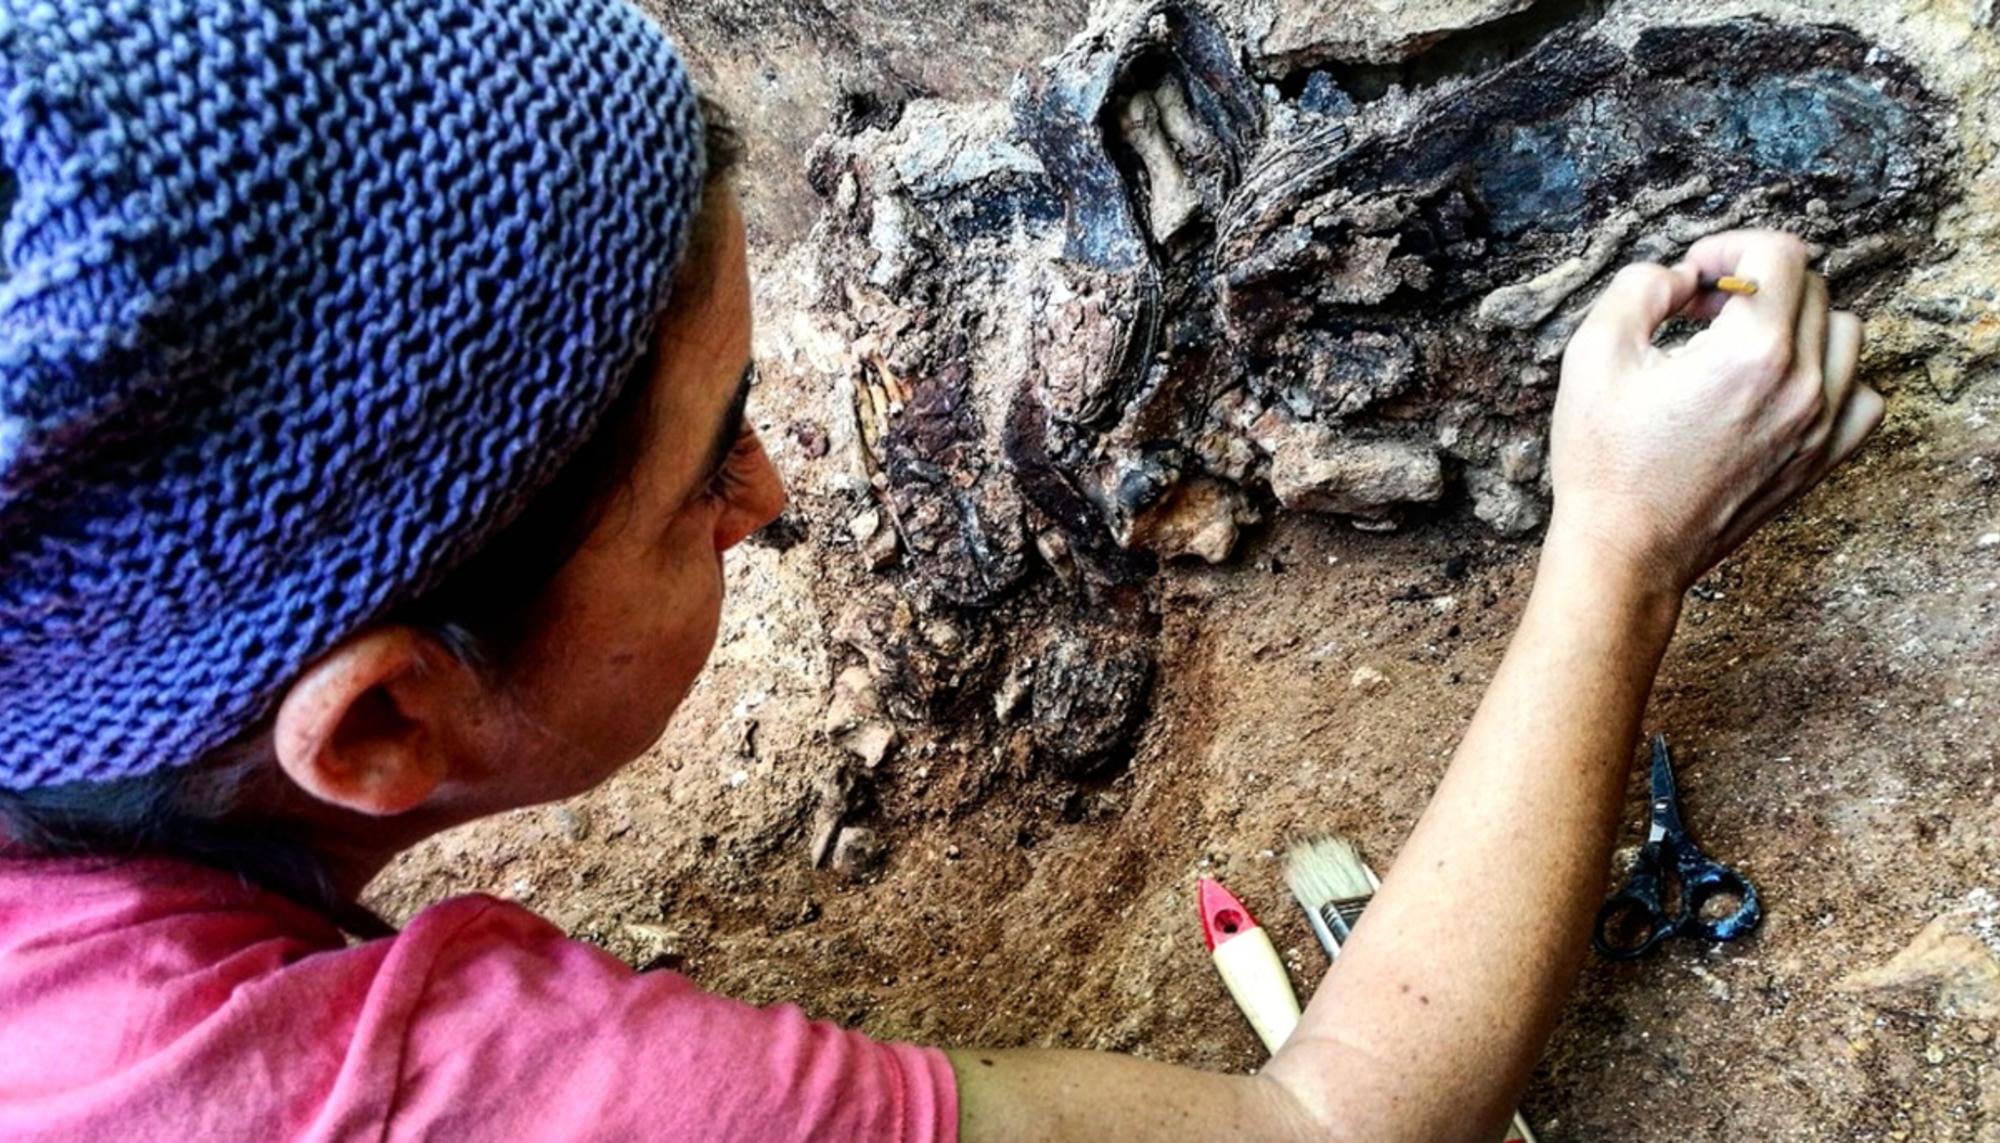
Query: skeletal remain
pixel 1309 32
pixel 1147 300
pixel 1529 304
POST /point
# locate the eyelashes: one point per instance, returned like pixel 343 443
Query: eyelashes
pixel 728 478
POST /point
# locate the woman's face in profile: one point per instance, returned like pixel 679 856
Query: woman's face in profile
pixel 627 623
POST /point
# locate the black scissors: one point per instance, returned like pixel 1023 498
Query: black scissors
pixel 1634 921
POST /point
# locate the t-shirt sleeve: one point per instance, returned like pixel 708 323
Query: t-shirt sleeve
pixel 510 1030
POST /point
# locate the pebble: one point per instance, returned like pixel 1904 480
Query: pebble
pixel 1990 540
pixel 879 551
pixel 1013 691
pixel 870 742
pixel 572 823
pixel 1368 680
pixel 858 853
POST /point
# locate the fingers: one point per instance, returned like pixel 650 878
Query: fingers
pixel 1809 336
pixel 1858 418
pixel 1774 260
pixel 1706 306
pixel 1853 412
pixel 1843 358
pixel 1631 309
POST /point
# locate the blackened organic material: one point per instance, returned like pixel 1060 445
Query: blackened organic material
pixel 1147 300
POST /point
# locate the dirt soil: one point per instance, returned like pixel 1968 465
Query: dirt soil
pixel 1834 699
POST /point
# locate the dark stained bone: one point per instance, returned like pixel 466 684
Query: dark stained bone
pixel 1120 292
pixel 1469 218
pixel 1144 302
pixel 954 518
pixel 1308 32
pixel 1062 109
pixel 1090 687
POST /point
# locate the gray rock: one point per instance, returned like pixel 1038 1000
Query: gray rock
pixel 1307 32
pixel 571 822
pixel 1314 469
pixel 859 853
pixel 1504 506
pixel 1090 691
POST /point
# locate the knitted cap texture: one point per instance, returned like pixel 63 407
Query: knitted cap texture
pixel 303 299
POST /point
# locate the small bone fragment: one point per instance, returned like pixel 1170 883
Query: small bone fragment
pixel 859 853
pixel 1946 960
pixel 854 700
pixel 1316 470
pixel 1525 305
pixel 1502 505
pixel 870 742
pixel 1173 199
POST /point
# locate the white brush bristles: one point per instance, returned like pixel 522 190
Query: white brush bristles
pixel 1323 870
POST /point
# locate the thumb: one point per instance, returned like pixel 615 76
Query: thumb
pixel 1632 308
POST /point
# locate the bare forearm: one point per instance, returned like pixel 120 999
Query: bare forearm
pixel 1435 1012
pixel 1662 463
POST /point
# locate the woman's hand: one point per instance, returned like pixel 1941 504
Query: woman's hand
pixel 1428 1025
pixel 1665 460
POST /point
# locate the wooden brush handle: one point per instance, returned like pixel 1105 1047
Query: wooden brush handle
pixel 1255 976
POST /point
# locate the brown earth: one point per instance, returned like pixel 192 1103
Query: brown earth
pixel 1832 696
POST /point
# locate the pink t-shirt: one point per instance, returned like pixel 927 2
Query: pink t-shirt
pixel 155 1000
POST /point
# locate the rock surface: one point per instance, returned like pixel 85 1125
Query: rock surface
pixel 1954 961
pixel 1316 32
pixel 1115 319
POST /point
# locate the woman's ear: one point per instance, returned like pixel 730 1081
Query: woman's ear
pixel 372 726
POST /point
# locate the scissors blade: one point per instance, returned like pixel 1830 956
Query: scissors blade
pixel 1666 805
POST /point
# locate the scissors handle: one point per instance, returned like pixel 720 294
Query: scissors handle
pixel 1631 922
pixel 1703 880
pixel 1629 925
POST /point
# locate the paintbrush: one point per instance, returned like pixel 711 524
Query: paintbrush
pixel 1249 965
pixel 1331 882
pixel 1333 885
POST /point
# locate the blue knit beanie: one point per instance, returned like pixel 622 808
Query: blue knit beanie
pixel 303 299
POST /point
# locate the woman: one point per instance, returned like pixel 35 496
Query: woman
pixel 373 384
